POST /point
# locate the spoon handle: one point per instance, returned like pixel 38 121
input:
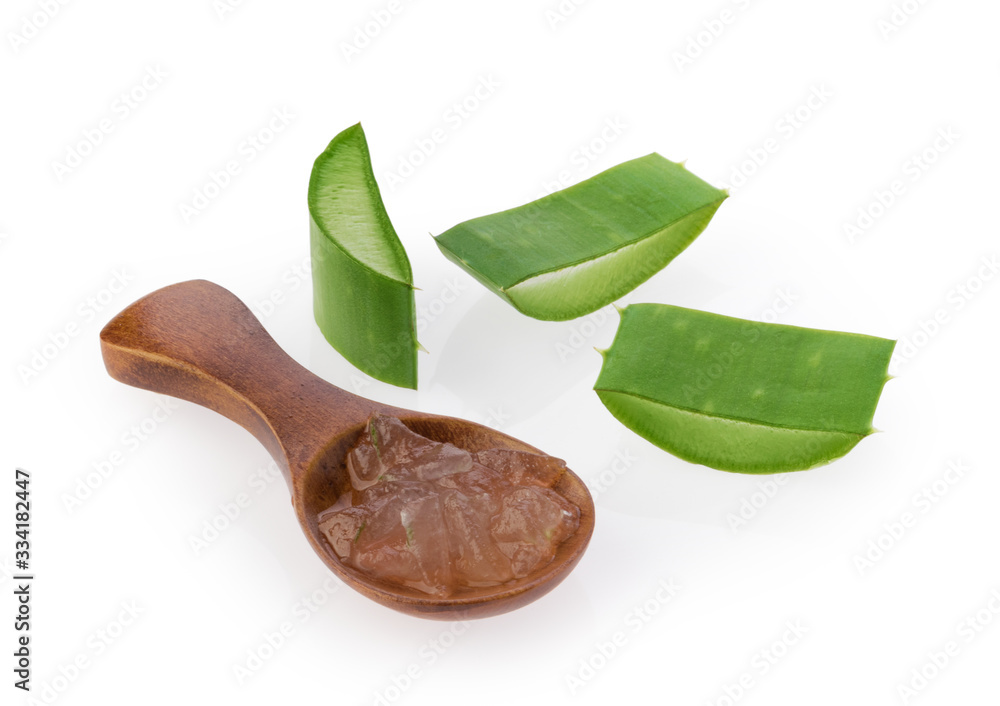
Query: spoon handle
pixel 197 341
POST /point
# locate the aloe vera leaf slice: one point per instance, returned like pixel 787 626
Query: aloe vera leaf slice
pixel 362 281
pixel 579 249
pixel 738 395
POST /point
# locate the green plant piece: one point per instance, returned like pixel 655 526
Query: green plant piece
pixel 362 282
pixel 374 435
pixel 739 395
pixel 576 250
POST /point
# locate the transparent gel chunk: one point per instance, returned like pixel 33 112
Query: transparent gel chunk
pixel 522 467
pixel 436 518
pixel 531 525
pixel 388 450
pixel 342 528
pixel 476 559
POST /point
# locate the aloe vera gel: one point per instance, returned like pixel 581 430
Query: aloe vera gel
pixel 439 519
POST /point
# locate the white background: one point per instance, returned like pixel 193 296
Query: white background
pixel 799 557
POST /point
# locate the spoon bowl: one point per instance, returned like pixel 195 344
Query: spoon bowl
pixel 197 341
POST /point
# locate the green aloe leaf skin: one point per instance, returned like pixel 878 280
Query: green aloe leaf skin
pixel 738 395
pixel 576 250
pixel 362 282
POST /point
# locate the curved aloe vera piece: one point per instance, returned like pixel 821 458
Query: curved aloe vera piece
pixel 579 249
pixel 738 395
pixel 362 282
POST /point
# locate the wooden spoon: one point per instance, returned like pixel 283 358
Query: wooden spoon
pixel 198 341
